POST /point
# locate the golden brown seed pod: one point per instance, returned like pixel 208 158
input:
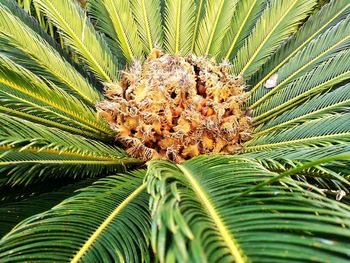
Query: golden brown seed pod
pixel 177 108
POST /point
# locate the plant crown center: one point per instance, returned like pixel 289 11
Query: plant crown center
pixel 177 108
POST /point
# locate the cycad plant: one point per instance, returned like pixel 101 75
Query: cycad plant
pixel 175 131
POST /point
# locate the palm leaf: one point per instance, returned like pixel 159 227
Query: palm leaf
pixel 214 25
pixel 278 21
pixel 11 213
pixel 22 14
pixel 28 41
pixel 327 45
pixel 244 19
pixel 335 101
pixel 330 15
pixel 329 129
pixel 205 210
pixel 149 22
pixel 37 27
pixel 332 72
pixel 81 36
pixel 179 22
pixel 328 176
pixel 118 21
pixel 200 11
pixel 24 95
pixel 114 208
pixel 28 151
pixel 100 18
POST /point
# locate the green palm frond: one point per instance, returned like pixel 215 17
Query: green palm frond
pixel 332 72
pixel 148 18
pixel 281 197
pixel 200 11
pixel 31 9
pixel 24 60
pixel 31 152
pixel 244 19
pixel 213 26
pixel 24 95
pixel 330 15
pixel 28 41
pixel 204 211
pixel 11 213
pixel 114 208
pixel 179 23
pixel 301 154
pixel 115 19
pixel 328 176
pixel 81 36
pixel 278 21
pixel 327 45
pixel 335 101
pixel 329 129
pixel 100 18
pixel 29 21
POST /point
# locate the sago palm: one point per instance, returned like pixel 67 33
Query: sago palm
pixel 175 131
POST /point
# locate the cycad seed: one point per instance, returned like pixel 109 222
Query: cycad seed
pixel 177 108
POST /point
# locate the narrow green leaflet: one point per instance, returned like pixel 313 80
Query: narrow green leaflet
pixel 79 33
pixel 330 15
pixel 149 22
pixel 179 23
pixel 201 215
pixel 85 227
pixel 30 152
pixel 213 26
pixel 279 20
pixel 32 44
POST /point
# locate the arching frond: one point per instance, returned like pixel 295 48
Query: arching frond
pixel 200 11
pixel 214 25
pixel 225 209
pixel 24 95
pixel 329 129
pixel 333 71
pixel 179 21
pixel 149 23
pixel 11 213
pixel 327 176
pixel 36 25
pixel 31 152
pixel 107 221
pixel 327 45
pixel 100 18
pixel 81 36
pixel 279 20
pixel 329 103
pixel 22 14
pixel 330 15
pixel 33 45
pixel 244 19
pixel 115 18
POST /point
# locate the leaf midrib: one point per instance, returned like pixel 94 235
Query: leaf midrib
pixel 295 100
pixel 304 67
pixel 297 50
pixel 88 124
pixel 106 223
pixel 256 52
pixel 224 232
pixel 295 141
pixel 216 22
pixel 240 31
pixel 82 46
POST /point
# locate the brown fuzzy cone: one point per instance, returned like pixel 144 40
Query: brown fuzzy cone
pixel 177 108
